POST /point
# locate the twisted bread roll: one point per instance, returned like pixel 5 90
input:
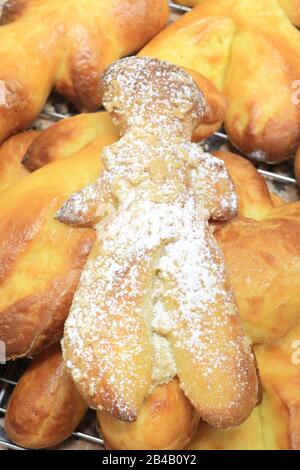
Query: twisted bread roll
pixel 153 300
pixel 263 113
pixel 45 407
pixel 66 45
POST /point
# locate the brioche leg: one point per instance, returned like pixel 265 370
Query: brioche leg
pixel 107 342
pixel 213 359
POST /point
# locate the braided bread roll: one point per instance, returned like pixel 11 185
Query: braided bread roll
pixel 153 300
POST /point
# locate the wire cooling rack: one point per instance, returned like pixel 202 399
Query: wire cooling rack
pixel 87 434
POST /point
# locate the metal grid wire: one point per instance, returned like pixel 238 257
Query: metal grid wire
pixel 10 373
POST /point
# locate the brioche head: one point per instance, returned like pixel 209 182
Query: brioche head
pixel 145 93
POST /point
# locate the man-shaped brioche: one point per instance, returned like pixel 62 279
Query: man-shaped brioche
pixel 154 301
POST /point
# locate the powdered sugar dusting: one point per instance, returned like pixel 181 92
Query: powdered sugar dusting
pixel 154 287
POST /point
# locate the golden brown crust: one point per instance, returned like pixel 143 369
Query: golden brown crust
pixel 262 259
pixel 68 136
pixel 66 45
pixel 11 153
pixel 214 40
pixel 45 407
pixel 282 384
pixel 166 421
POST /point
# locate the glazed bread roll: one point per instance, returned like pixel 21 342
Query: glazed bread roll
pixel 166 421
pixel 263 111
pixel 45 407
pixel 66 45
pixel 154 301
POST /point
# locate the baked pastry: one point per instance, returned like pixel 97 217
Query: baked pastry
pixel 268 270
pixel 28 308
pixel 154 301
pixel 22 308
pixel 45 407
pixel 291 8
pixel 263 113
pixel 66 45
